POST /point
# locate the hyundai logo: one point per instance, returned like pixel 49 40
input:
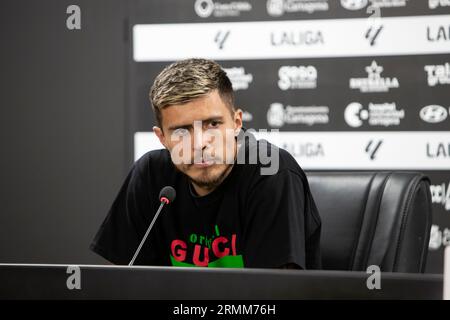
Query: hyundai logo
pixel 433 114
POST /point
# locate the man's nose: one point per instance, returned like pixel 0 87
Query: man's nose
pixel 201 140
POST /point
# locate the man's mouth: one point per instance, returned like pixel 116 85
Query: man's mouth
pixel 203 163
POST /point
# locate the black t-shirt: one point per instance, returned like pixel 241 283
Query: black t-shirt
pixel 251 220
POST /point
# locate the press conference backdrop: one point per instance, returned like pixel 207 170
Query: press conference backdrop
pixel 349 84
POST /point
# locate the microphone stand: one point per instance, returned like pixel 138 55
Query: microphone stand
pixel 163 202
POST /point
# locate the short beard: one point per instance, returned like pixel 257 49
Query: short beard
pixel 212 183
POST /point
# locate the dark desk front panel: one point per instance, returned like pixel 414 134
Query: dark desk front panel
pixel 122 282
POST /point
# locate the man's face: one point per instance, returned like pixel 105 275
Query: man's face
pixel 200 137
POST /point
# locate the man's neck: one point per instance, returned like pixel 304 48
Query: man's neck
pixel 202 191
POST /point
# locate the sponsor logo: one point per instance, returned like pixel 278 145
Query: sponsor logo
pixel 354 4
pixel 440 194
pixel 388 3
pixel 372 148
pixel 304 150
pixel 438 150
pixel 372 34
pixel 293 77
pixel 278 115
pixel 359 4
pixel 374 82
pixel 433 4
pixel 221 37
pixel 377 114
pixel 438 237
pixel 438 74
pixel 433 114
pixel 296 38
pixel 247 116
pixel 277 8
pixel 438 33
pixel 239 79
pixel 206 8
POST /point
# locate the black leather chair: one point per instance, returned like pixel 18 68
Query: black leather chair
pixel 373 218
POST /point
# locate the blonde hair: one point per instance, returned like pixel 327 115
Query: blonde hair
pixel 186 80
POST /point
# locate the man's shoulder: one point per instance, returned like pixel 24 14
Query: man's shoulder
pixel 271 156
pixel 155 161
pixel 274 167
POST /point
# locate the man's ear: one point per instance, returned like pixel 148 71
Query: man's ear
pixel 237 120
pixel 159 133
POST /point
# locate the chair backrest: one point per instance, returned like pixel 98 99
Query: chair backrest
pixel 373 218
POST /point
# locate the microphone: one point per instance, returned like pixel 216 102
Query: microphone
pixel 166 196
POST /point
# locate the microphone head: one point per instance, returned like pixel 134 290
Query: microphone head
pixel 167 194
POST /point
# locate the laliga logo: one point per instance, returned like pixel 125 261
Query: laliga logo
pixel 354 4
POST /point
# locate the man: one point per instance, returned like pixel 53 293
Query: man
pixel 233 207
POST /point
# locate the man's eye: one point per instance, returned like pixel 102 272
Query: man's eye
pixel 214 124
pixel 181 131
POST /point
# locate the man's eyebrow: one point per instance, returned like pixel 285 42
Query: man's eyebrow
pixel 187 126
pixel 215 118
